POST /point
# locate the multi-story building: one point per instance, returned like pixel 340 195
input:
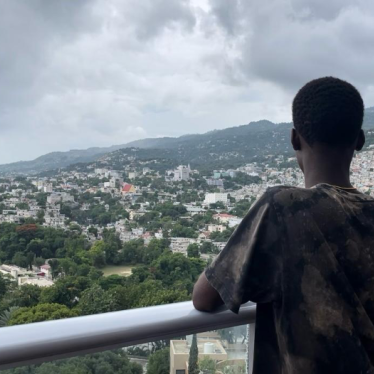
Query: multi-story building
pixel 214 182
pixel 182 173
pixel 180 351
pixel 57 221
pixel 214 228
pixel 213 198
pixel 58 197
pixel 181 244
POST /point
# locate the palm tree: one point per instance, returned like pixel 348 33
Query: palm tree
pixel 6 315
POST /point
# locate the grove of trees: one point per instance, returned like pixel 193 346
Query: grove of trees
pixel 158 277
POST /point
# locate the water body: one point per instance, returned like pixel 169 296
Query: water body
pixel 124 271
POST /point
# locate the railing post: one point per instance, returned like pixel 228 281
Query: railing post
pixel 251 346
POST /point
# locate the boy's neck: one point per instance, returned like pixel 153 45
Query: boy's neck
pixel 327 165
pixel 336 175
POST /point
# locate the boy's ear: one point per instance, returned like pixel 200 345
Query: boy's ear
pixel 360 141
pixel 295 140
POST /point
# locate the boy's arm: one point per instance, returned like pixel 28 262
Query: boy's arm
pixel 250 265
pixel 205 298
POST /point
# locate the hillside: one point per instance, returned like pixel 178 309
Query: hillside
pixel 229 147
pixel 55 160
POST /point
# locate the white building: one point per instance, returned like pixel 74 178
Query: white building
pixel 12 270
pixel 37 281
pixel 214 182
pixel 99 171
pixel 181 244
pixel 159 234
pixel 132 174
pixel 182 173
pixel 193 209
pixel 55 221
pixel 224 217
pixel 46 269
pixel 114 174
pixel 213 198
pixel 214 228
pixel 58 197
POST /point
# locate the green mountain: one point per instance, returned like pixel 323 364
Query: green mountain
pixel 219 148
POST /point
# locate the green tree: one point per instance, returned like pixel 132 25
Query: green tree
pixel 133 251
pixel 207 365
pixel 217 205
pixel 6 316
pixel 193 367
pixel 193 250
pixel 159 362
pixel 23 206
pixel 67 266
pixel 175 269
pixel 20 260
pixel 242 207
pixel 183 231
pixel 112 247
pixel 26 296
pixel 97 254
pixel 95 300
pixel 234 369
pixel 40 216
pixel 6 282
pixel 55 267
pixel 208 247
pixel 93 230
pixel 41 312
pixel 65 291
pixel 39 261
pixel 155 249
pixel 227 334
pixel 223 236
pixel 110 362
pixel 147 293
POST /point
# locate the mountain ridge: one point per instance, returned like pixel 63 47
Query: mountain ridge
pixel 246 138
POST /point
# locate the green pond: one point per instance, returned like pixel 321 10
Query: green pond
pixel 125 271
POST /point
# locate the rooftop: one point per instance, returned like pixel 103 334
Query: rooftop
pixel 183 346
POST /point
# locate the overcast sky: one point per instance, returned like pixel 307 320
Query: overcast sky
pixel 76 74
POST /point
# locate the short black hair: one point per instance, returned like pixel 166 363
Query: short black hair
pixel 328 110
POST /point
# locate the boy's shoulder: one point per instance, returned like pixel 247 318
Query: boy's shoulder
pixel 288 194
pixel 319 196
pixel 294 199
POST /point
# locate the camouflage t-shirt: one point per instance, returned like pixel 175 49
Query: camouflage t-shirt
pixel 306 257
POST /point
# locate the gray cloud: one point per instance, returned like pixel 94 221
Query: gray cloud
pixel 86 73
pixel 290 42
pixel 29 31
pixel 151 17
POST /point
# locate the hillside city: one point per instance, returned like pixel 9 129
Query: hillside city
pixel 121 233
pixel 196 213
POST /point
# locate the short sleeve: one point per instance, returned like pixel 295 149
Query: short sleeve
pixel 249 268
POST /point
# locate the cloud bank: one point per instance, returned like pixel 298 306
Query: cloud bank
pixel 76 74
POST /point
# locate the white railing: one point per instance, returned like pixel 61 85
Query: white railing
pixel 51 340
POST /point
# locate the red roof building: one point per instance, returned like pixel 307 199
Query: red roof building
pixel 128 188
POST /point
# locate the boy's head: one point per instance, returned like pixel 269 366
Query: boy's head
pixel 328 110
pixel 327 116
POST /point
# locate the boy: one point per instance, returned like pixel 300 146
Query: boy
pixel 306 255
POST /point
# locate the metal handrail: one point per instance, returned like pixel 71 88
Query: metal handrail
pixel 46 341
